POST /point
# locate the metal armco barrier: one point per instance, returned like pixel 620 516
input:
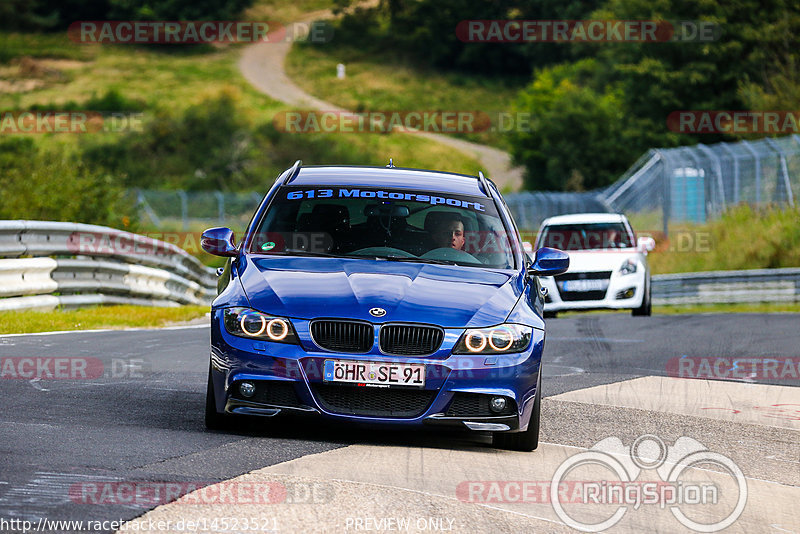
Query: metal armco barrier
pixel 727 287
pixel 95 265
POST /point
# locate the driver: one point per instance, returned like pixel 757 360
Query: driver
pixel 449 233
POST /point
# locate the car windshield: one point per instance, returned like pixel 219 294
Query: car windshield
pixel 388 224
pixel 586 236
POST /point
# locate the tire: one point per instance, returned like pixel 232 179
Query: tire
pixel 646 309
pixel 214 419
pixel 529 439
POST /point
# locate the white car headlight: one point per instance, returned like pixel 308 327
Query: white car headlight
pixel 629 267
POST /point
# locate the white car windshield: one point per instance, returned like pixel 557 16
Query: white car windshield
pixel 592 236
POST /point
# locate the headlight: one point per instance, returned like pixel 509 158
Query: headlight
pixel 629 267
pixel 502 339
pixel 249 323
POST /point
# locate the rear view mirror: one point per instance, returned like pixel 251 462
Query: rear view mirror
pixel 549 262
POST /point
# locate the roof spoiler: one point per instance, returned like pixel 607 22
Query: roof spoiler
pixel 484 184
pixel 292 172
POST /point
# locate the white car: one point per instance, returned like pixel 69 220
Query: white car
pixel 607 265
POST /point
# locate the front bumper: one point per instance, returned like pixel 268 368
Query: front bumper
pixel 289 380
pixel 615 296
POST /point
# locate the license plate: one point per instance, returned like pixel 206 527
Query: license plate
pixel 585 285
pixel 386 373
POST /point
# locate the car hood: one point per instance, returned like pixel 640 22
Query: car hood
pixel 449 296
pixel 600 260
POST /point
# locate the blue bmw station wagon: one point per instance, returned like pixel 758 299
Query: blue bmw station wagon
pixel 380 295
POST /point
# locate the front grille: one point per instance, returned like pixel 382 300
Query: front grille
pixel 343 336
pixel 476 405
pixel 410 340
pixel 376 402
pixel 275 393
pixel 569 296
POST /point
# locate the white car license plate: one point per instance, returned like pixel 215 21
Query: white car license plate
pixel 585 285
pixel 388 373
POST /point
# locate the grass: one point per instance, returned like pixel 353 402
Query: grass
pixel 24 322
pixel 744 307
pixel 284 11
pixel 383 82
pixel 172 79
pixel 743 238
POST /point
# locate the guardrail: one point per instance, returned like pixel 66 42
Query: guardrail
pixel 99 265
pixel 95 265
pixel 727 287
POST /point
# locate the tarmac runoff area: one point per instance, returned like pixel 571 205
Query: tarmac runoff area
pixel 475 488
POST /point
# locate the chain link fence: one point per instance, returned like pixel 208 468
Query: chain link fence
pixel 185 210
pixel 691 184
pixel 697 183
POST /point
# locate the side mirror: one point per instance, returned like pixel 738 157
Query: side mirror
pixel 219 242
pixel 646 243
pixel 549 262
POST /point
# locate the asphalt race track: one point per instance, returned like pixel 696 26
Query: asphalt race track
pixel 136 418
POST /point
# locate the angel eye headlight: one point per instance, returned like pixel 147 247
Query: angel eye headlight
pixel 252 324
pixel 501 339
pixel 475 341
pixel 277 329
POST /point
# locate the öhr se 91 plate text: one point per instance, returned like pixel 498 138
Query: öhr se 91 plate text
pixel 389 373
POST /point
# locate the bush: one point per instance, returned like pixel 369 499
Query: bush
pixel 56 15
pixel 55 186
pixel 208 146
pixel 742 238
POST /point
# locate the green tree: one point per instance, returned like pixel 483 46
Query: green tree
pixel 579 138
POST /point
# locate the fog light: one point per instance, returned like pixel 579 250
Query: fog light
pixel 247 389
pixel 497 404
pixel 626 293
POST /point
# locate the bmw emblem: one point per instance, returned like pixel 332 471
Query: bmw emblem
pixel 377 312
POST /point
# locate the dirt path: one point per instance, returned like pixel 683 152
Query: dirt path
pixel 263 65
